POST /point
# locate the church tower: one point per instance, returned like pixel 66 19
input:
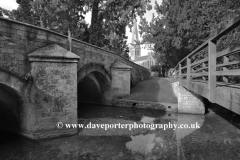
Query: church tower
pixel 135 49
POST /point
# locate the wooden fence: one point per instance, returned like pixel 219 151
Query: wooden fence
pixel 205 71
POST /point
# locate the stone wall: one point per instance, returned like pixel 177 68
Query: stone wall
pixel 168 107
pixel 188 102
pixel 18 39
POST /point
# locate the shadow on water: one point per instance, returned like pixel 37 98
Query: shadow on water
pixel 228 115
pixel 87 111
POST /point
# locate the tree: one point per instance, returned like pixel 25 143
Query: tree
pixel 64 16
pixel 5 12
pixel 25 13
pixel 109 21
pixel 182 25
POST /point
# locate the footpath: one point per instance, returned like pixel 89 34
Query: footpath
pixel 155 93
pixel 156 89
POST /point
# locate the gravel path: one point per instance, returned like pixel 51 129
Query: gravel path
pixel 156 89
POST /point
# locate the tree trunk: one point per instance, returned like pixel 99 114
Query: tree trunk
pixel 94 22
pixel 95 10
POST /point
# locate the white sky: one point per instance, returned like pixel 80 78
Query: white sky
pixel 8 4
pixel 11 4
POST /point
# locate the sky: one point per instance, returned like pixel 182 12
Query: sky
pixel 11 4
pixel 8 4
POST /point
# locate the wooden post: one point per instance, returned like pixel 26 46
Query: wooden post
pixel 180 73
pixel 212 71
pixel 188 73
pixel 225 60
pixel 204 65
pixel 225 79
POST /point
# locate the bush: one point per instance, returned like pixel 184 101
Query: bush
pixel 155 68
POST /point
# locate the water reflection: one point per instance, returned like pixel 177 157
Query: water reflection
pixel 142 143
pixel 215 139
pixel 194 122
pixel 146 119
pixel 159 143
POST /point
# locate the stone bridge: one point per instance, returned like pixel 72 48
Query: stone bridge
pixel 42 82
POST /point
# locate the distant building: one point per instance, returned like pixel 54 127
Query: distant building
pixel 145 61
pixel 135 51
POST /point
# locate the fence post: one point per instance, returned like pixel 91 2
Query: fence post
pixel 188 73
pixel 212 71
pixel 225 60
pixel 180 73
pixel 204 65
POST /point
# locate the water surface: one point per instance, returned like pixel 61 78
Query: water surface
pixel 217 138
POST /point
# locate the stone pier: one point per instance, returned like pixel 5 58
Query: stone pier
pixel 188 102
pixel 53 94
pixel 121 76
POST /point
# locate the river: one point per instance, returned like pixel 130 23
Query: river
pixel 216 136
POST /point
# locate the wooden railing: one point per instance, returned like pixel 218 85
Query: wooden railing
pixel 205 69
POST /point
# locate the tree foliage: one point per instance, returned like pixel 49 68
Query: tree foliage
pixel 61 15
pixel 182 25
pixel 108 23
pixel 25 13
pixel 57 15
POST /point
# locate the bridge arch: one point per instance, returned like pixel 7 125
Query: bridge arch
pixel 12 80
pixel 94 84
pixel 91 67
pixel 11 95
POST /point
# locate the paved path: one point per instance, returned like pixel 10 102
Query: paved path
pixel 157 89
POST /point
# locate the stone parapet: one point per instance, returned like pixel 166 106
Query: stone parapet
pixel 18 39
